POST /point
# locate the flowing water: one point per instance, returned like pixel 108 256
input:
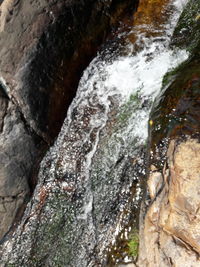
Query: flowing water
pixel 107 124
pixel 100 150
pixel 94 172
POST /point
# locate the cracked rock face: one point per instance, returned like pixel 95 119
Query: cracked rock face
pixel 17 152
pixel 171 226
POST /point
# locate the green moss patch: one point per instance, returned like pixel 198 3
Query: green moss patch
pixel 187 32
pixel 133 244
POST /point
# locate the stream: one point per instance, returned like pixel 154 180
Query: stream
pixel 92 179
pixel 102 144
pixel 106 129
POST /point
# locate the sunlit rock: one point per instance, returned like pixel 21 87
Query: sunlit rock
pixel 154 182
pixel 171 226
pixel 169 230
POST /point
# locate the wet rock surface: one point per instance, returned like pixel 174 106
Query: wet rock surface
pixel 81 192
pixel 89 182
pixel 169 226
pixel 41 42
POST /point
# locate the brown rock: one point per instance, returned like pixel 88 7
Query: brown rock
pixel 171 226
pixel 154 183
pixel 184 194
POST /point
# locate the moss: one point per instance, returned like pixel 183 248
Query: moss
pixel 54 240
pixel 182 87
pixel 128 108
pixel 187 31
pixel 167 114
pixel 133 243
pixel 170 76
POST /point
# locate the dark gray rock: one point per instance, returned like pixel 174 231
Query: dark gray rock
pixel 17 154
pixel 44 47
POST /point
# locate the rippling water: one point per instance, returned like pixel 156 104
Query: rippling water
pixel 113 103
pixel 93 172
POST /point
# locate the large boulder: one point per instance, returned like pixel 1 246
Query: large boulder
pixel 170 230
pixel 44 47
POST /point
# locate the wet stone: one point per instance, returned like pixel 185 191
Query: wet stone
pixel 170 229
pixel 40 41
pixel 90 182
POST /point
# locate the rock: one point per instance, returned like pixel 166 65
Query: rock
pixel 18 152
pixel 169 221
pixel 82 191
pixel 171 225
pixel 154 183
pixel 184 215
pixel 44 47
pixel 77 203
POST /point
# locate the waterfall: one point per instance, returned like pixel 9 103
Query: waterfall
pixel 92 174
pixel 103 144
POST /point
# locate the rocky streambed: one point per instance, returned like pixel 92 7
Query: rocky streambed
pixel 82 209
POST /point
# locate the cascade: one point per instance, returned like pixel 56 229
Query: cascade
pixel 92 178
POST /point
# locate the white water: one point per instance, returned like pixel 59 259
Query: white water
pixel 103 82
pixel 137 73
pixel 141 73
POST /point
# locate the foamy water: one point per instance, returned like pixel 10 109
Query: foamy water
pixel 85 159
pixel 138 73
